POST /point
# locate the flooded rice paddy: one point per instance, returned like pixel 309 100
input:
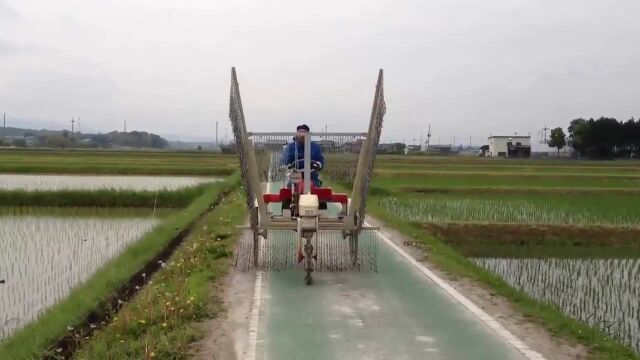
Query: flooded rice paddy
pixel 604 293
pixel 43 258
pixel 98 182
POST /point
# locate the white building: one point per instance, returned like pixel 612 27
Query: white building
pixel 509 146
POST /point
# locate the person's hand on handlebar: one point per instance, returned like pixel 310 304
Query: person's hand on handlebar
pixel 315 165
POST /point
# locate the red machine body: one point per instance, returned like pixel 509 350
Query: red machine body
pixel 325 194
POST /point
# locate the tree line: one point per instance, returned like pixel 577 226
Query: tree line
pixel 603 138
pixel 66 139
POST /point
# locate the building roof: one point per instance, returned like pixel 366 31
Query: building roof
pixel 510 136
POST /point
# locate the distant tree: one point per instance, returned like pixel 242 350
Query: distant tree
pixel 578 135
pixel 600 139
pixel 199 147
pixel 100 140
pixel 42 140
pixel 28 133
pixel 138 139
pixel 558 139
pixel 56 141
pixel 19 143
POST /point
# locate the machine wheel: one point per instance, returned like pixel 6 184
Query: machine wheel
pixel 308 265
pixel 353 250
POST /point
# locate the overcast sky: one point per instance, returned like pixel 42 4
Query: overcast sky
pixel 467 67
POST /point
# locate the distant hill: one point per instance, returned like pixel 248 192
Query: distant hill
pixel 65 139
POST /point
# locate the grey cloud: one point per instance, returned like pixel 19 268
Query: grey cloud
pixel 7 12
pixel 463 66
pixel 52 94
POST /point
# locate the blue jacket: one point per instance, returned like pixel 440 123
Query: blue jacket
pixel 289 156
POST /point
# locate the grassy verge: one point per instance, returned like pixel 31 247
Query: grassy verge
pixel 557 323
pixel 103 198
pixel 31 341
pixel 161 320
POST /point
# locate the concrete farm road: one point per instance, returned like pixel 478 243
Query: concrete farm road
pixel 396 313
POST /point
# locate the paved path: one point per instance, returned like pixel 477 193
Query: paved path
pixel 397 313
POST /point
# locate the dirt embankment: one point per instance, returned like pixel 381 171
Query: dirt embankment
pixel 517 190
pixel 521 234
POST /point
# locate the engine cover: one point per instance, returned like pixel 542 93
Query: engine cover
pixel 308 205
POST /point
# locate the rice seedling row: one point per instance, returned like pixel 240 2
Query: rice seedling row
pixel 603 293
pixel 44 258
pixel 429 210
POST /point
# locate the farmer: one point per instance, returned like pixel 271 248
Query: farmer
pixel 297 148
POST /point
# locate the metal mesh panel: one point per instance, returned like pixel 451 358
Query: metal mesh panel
pixel 347 155
pixel 278 251
pixel 375 129
pixel 236 116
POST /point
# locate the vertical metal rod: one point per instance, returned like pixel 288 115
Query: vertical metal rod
pixel 359 178
pixel 307 163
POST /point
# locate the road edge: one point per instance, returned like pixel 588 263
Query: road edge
pixel 487 319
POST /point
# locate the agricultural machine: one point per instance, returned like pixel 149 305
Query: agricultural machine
pixel 292 222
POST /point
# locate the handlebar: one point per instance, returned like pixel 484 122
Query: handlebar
pixel 315 165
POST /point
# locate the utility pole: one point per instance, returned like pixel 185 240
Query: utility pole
pixel 72 123
pixel 217 145
pixel 4 124
pixel 469 141
pixel 428 137
pixel 125 126
pixel 545 133
pixel 454 141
